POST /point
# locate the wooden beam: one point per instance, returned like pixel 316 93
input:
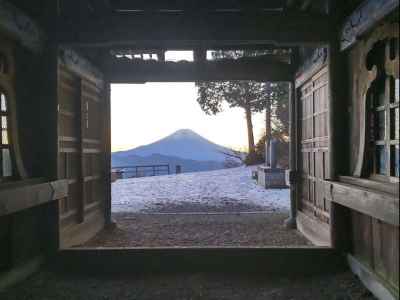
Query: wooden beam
pixel 81 66
pixel 18 26
pixel 268 260
pixel 127 72
pixel 379 205
pixel 313 65
pixel 364 18
pixel 190 5
pixel 21 197
pixel 195 31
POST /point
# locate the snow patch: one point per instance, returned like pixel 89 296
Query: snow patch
pixel 211 188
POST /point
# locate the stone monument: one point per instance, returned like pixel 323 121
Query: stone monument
pixel 269 175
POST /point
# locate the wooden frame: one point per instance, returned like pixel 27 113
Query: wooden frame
pixel 364 18
pixel 7 86
pixel 369 77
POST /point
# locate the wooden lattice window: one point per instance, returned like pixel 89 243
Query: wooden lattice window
pixel 384 118
pixel 6 166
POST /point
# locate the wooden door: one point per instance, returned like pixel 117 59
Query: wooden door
pixel 81 155
pixel 313 158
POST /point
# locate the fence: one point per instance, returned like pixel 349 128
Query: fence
pixel 140 171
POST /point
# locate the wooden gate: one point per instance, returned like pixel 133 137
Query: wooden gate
pixel 81 155
pixel 313 215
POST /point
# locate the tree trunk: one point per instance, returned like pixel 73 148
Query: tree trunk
pixel 250 134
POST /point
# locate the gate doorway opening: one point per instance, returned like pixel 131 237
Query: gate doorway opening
pixel 181 169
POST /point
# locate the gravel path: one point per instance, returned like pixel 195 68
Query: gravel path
pixel 205 230
pixel 50 286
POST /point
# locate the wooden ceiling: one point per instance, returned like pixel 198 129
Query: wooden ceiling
pixel 182 24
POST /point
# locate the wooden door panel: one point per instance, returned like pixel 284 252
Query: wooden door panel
pixel 81 156
pixel 313 163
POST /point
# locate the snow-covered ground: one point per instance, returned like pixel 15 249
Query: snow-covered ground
pixel 209 188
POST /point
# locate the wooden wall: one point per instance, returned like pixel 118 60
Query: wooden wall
pixel 29 234
pixel 374 243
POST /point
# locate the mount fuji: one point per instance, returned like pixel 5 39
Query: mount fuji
pixel 184 147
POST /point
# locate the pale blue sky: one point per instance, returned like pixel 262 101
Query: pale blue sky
pixel 144 113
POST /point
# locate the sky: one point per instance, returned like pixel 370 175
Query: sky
pixel 144 113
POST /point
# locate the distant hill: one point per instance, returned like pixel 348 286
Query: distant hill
pixel 184 147
pixel 187 165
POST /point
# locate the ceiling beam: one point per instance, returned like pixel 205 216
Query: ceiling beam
pixel 197 30
pixel 126 71
pixel 188 5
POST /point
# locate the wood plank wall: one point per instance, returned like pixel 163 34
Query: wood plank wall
pixel 81 156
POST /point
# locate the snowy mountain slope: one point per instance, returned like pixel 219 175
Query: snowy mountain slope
pixel 184 143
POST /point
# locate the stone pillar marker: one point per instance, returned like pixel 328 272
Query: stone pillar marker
pixel 269 175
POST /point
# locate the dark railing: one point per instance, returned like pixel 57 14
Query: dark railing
pixel 140 171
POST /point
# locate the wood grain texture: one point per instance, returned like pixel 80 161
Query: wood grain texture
pixel 379 205
pixel 15 199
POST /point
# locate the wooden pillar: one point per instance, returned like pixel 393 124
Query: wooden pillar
pixel 107 152
pixel 81 163
pixel 291 221
pixel 339 215
pixel 48 104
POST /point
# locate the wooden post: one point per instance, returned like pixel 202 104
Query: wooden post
pixel 107 152
pixel 49 123
pixel 81 164
pixel 291 221
pixel 339 215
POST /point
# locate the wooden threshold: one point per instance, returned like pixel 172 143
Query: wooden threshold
pixel 315 231
pixel 269 260
pixel 377 287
